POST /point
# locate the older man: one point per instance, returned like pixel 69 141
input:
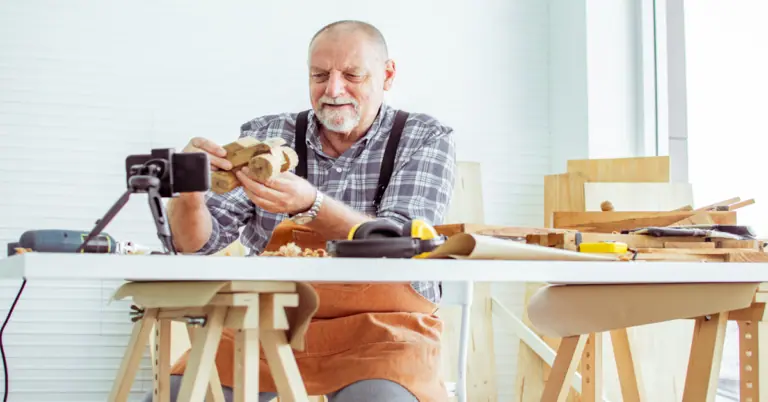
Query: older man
pixel 359 159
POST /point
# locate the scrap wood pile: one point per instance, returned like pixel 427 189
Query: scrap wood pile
pixel 630 207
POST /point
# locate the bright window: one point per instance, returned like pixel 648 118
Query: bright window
pixel 727 94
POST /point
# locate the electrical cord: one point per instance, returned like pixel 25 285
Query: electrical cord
pixel 2 330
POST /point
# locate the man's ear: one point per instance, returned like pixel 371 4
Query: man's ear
pixel 389 74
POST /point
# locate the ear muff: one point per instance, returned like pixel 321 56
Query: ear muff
pixel 418 229
pixel 375 229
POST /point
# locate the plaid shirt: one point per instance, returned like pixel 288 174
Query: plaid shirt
pixel 420 187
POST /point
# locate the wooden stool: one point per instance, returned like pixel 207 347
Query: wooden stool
pixel 256 310
pixel 579 314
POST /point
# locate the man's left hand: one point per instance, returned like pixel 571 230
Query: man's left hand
pixel 285 193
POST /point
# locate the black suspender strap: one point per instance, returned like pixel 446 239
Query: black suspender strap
pixel 387 163
pixel 301 143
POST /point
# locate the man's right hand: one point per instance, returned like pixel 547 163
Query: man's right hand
pixel 215 152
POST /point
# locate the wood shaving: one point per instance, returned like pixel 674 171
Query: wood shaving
pixel 292 250
pixel 20 250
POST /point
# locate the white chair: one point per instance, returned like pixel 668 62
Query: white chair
pixel 460 293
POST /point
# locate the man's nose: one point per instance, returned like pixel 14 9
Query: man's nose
pixel 335 85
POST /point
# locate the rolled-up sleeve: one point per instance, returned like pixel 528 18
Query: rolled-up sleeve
pixel 421 187
pixel 230 211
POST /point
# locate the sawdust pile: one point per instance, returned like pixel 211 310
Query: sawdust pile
pixel 292 250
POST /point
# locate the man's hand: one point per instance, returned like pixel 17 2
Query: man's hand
pixel 215 152
pixel 286 193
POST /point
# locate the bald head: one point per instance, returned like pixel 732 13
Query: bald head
pixel 346 27
pixel 349 70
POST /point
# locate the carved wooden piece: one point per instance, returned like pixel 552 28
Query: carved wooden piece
pixel 263 159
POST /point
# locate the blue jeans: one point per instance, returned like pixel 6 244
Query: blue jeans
pixel 362 391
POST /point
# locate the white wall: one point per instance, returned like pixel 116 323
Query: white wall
pixel 85 83
pixel 595 80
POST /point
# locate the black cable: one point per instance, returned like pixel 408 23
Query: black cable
pixel 2 330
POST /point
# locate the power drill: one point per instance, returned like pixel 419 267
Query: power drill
pixel 67 241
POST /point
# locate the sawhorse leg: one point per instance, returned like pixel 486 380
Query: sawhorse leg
pixel 705 358
pixel 568 354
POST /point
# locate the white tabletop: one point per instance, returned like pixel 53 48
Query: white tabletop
pixel 190 267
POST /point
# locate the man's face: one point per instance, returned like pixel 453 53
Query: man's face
pixel 348 77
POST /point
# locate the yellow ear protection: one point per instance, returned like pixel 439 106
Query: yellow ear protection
pixel 381 238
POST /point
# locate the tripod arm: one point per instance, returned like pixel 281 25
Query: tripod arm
pixel 103 222
pixel 161 220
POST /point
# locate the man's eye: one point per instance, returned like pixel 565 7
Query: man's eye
pixel 319 76
pixel 355 77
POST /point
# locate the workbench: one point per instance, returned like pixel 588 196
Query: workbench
pixel 255 274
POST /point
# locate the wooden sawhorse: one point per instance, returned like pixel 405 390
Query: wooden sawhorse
pixel 579 314
pixel 274 315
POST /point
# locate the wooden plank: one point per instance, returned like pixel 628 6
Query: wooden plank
pixel 562 192
pixel 592 369
pixel 717 204
pixel 609 222
pixel 161 367
pixel 467 199
pixel 753 360
pixel 652 169
pixel 741 204
pixel 246 371
pixel 481 359
pixel 567 240
pixel 699 251
pixel 689 244
pixel 493 230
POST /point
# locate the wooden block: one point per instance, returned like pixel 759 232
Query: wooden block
pixel 272 309
pixel 653 169
pixel 609 222
pixel 264 167
pixel 243 156
pixel 290 159
pixel 753 244
pixel 241 143
pixel 258 287
pixel 746 256
pixel 223 181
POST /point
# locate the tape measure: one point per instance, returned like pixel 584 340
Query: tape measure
pixel 381 238
pixel 604 247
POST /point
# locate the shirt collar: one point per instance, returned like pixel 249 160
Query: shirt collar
pixel 313 126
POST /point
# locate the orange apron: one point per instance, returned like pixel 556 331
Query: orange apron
pixel 360 331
